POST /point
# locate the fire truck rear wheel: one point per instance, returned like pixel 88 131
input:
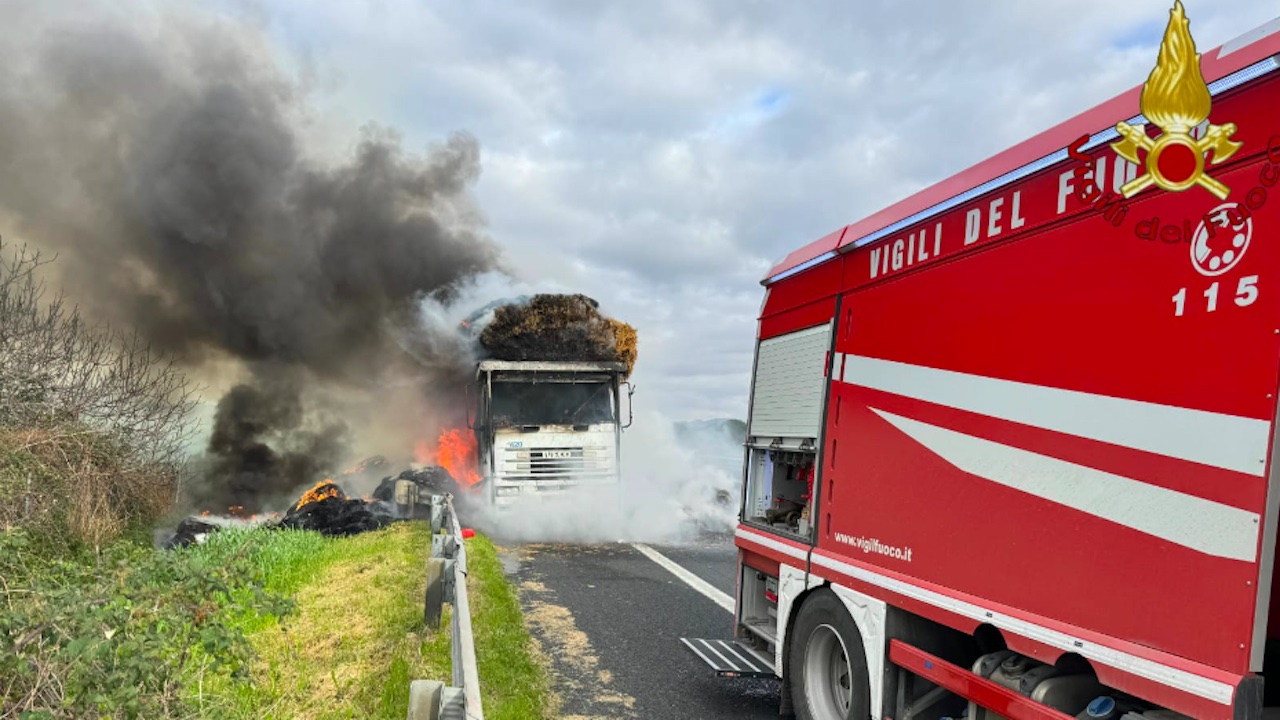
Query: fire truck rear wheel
pixel 827 667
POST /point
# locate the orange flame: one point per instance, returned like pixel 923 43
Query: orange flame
pixel 323 489
pixel 456 452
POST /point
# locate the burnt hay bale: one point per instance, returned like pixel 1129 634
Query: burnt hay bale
pixel 552 327
pixel 431 480
pixel 337 516
pixel 190 532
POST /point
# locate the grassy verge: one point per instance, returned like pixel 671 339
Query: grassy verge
pixel 516 686
pixel 356 638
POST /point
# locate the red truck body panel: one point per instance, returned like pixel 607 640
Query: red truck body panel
pixel 1086 309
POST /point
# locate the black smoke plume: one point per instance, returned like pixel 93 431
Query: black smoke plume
pixel 163 155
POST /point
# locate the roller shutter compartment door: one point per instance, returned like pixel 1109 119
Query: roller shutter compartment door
pixel 790 384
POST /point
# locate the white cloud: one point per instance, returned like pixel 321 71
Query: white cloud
pixel 659 155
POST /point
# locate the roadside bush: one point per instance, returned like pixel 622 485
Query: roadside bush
pixel 73 484
pixel 92 421
pixel 116 638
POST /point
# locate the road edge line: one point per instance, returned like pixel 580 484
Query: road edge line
pixel 688 578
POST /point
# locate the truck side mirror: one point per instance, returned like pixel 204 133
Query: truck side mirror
pixel 631 415
pixel 470 421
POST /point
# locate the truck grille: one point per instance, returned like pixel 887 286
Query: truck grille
pixel 578 463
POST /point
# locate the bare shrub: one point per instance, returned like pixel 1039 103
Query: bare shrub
pixel 93 421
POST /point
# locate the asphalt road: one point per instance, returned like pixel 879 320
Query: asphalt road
pixel 610 619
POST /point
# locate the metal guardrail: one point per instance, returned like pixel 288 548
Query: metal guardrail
pixel 447 583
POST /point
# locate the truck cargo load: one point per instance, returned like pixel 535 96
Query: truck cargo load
pixel 551 327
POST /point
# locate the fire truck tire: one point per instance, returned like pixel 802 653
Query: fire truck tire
pixel 827 667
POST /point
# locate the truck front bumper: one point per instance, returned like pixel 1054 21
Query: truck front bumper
pixel 526 492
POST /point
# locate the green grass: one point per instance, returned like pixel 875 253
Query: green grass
pixel 357 637
pixel 288 559
pixel 514 684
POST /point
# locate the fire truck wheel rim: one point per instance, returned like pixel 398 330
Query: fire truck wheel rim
pixel 827 674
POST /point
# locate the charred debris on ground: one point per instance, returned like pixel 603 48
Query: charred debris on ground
pixel 327 509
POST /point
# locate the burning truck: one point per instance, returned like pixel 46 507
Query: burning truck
pixel 543 416
pixel 545 400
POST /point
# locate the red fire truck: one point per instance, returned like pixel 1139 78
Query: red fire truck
pixel 1012 440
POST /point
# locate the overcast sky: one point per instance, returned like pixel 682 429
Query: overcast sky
pixel 660 155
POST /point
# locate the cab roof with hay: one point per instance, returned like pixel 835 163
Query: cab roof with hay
pixel 552 328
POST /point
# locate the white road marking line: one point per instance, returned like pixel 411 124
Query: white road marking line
pixel 720 598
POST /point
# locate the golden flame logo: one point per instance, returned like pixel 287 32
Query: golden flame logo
pixel 1176 98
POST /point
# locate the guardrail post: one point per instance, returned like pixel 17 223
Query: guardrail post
pixel 450 585
pixel 435 599
pixel 426 698
pixel 437 513
pixel 444 546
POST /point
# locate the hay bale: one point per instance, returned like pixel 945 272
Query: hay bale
pixel 552 327
pixel 625 343
pixel 327 510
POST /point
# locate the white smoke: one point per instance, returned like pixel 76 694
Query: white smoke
pixel 439 319
pixel 673 490
pixel 675 486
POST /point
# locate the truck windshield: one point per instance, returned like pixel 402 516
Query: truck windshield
pixel 551 403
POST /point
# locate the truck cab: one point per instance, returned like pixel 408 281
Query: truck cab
pixel 545 428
